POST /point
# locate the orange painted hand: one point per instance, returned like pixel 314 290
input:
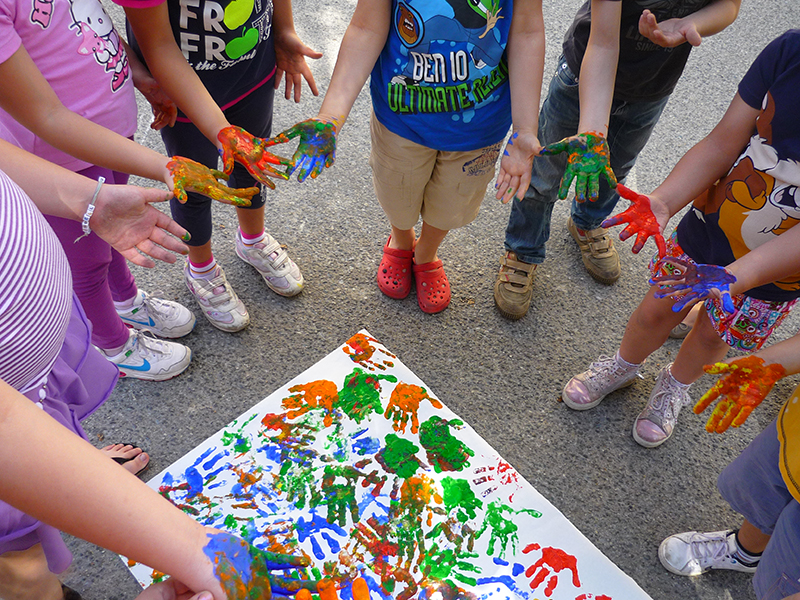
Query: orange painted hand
pixel 250 151
pixel 588 159
pixel 190 175
pixel 404 404
pixel 745 383
pixel 321 394
pixel 327 590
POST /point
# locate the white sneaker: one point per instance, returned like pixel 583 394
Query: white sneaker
pixel 693 553
pixel 607 374
pixel 144 357
pixel 160 317
pixel 218 301
pixel 656 423
pixel 272 261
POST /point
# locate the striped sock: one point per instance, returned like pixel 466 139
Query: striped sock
pixel 251 240
pixel 748 559
pixel 206 270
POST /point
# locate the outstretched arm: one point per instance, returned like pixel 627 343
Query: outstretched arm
pixel 525 67
pixel 692 28
pixel 291 53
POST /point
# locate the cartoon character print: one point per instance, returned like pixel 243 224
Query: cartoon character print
pixel 42 12
pixel 472 23
pixel 755 200
pixel 98 37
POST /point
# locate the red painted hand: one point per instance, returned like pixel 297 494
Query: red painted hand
pixel 552 560
pixel 640 219
pixel 250 151
pixel 745 383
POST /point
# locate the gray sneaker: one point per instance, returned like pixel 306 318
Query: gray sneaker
pixel 693 553
pixel 656 422
pixel 605 375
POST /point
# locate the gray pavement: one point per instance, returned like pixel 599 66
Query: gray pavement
pixel 502 377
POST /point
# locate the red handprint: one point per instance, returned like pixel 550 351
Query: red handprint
pixel 640 219
pixel 555 559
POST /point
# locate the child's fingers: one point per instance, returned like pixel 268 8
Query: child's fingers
pixel 612 179
pixel 731 409
pixel 594 187
pixel 707 398
pixel 566 181
pixel 580 187
pixel 661 244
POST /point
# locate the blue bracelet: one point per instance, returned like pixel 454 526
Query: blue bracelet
pixel 90 210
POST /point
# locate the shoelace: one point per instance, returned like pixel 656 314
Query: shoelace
pixel 606 369
pixel 158 307
pixel 148 345
pixel 707 548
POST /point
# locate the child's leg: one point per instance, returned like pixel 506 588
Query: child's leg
pixel 24 576
pixel 702 346
pixel 430 238
pixel 649 327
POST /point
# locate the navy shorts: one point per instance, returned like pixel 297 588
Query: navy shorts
pixel 254 114
pixel 752 484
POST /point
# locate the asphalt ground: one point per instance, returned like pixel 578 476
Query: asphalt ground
pixel 502 377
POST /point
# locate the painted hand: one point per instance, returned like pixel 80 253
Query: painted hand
pixel 317 148
pixel 190 175
pixel 404 404
pixel 695 283
pixel 250 151
pixel 553 561
pixel 244 571
pixel 640 219
pixel 514 176
pixel 327 590
pixel 745 382
pixel 588 159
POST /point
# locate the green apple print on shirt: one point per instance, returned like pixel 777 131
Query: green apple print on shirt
pixel 236 14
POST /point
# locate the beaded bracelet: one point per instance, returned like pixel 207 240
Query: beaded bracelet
pixel 90 210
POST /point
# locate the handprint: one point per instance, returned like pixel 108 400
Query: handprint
pixel 239 145
pixel 640 219
pixel 552 559
pixel 190 175
pixel 326 588
pixel 745 383
pixel 341 497
pixel 695 282
pixel 317 148
pixel 588 158
pixel 445 451
pixel 321 394
pixel 360 394
pixel 404 404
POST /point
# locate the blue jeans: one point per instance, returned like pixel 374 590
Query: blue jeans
pixel 630 126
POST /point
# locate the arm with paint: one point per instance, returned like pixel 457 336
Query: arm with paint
pixel 362 44
pixel 71 485
pixel 692 28
pixel 525 70
pixel 588 153
pixel 153 32
pixel 32 102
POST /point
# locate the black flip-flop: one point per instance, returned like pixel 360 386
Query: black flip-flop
pixel 123 461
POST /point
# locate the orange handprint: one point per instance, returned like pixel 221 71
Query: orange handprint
pixel 315 394
pixel 404 404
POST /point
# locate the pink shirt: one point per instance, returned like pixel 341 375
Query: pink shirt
pixel 77 49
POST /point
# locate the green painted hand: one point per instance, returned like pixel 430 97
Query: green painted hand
pixel 316 150
pixel 588 159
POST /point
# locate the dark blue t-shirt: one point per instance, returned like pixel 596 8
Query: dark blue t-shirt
pixel 758 199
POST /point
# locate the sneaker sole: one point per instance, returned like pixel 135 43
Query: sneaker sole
pixel 285 293
pixel 156 377
pixel 576 406
pixel 228 328
pixel 159 333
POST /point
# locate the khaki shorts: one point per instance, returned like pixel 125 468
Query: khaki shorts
pixel 445 188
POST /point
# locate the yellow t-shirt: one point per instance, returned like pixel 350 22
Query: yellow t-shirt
pixel 789 437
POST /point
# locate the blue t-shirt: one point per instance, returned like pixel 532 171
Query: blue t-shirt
pixel 442 78
pixel 758 199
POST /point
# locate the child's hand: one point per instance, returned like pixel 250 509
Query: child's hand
pixel 317 148
pixel 187 174
pixel 243 570
pixel 744 384
pixel 695 282
pixel 669 33
pixel 164 110
pixel 250 151
pixel 588 159
pixel 640 219
pixel 290 59
pixel 514 176
pixel 172 589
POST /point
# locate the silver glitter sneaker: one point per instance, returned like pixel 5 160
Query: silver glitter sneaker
pixel 656 422
pixel 605 375
pixel 693 553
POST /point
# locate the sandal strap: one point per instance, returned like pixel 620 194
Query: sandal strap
pixel 429 266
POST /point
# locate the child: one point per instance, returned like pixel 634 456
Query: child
pixel 745 195
pixel 628 60
pixel 86 67
pixel 238 58
pixel 760 484
pixel 447 79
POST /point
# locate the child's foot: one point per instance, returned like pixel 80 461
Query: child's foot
pixel 270 259
pixel 433 287
pixel 160 317
pixel 217 300
pixel 605 375
pixel 144 357
pixel 599 255
pixel 513 288
pixel 656 422
pixel 693 553
pixel 394 272
pixel 130 457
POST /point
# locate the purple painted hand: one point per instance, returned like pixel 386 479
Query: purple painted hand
pixel 588 159
pixel 317 148
pixel 640 219
pixel 695 282
pixel 250 151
